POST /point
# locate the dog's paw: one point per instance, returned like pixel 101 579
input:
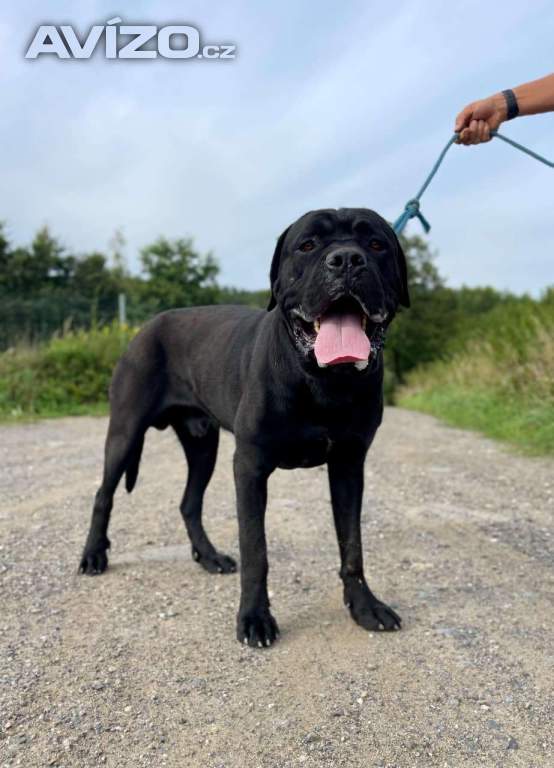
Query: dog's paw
pixel 93 563
pixel 376 616
pixel 215 563
pixel 95 559
pixel 257 629
pixel 367 611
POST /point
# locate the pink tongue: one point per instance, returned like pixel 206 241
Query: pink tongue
pixel 341 339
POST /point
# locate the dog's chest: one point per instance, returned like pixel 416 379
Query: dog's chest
pixel 316 425
pixel 305 447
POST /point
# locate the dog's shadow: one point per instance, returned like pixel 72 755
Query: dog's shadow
pixel 176 553
pixel 324 615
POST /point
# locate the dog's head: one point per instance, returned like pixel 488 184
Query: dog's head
pixel 338 276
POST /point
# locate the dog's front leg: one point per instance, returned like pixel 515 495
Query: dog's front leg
pixel 255 624
pixel 346 480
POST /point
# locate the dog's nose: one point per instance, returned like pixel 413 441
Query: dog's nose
pixel 341 261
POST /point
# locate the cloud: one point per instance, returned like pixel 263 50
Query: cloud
pixel 319 109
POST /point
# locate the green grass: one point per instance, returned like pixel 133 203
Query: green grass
pixel 526 425
pixel 69 376
pixel 499 380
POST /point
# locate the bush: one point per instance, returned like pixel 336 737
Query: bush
pixel 498 378
pixel 68 375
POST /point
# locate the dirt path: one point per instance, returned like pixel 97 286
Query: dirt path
pixel 140 667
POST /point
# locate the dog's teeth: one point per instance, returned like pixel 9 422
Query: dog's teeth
pixel 322 365
pixel 378 317
pixel 361 365
pixel 364 322
pixel 317 326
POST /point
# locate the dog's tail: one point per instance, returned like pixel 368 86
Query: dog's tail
pixel 132 468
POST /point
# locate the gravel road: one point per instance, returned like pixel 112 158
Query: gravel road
pixel 140 667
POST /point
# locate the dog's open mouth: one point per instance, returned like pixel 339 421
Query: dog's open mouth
pixel 342 334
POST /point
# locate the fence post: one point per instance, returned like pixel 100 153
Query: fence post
pixel 122 306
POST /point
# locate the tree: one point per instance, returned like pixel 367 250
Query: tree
pixel 92 277
pixel 257 299
pixel 4 257
pixel 420 334
pixel 423 275
pixel 177 275
pixel 37 268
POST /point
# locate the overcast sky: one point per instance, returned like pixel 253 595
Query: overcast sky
pixel 328 104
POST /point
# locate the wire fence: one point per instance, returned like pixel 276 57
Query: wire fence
pixel 35 320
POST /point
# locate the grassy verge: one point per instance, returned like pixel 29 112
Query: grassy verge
pixel 69 376
pixel 500 381
pixel 526 425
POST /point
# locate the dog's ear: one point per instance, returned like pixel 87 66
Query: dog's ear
pixel 274 271
pixel 402 269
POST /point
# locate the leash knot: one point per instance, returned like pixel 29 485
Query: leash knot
pixel 412 207
pixel 411 211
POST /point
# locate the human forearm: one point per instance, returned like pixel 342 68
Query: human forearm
pixel 536 96
pixel 478 120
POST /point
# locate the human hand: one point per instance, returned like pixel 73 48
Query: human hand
pixel 476 121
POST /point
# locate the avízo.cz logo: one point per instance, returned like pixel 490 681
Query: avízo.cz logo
pixel 126 41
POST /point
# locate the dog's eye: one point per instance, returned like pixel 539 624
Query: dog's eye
pixel 307 245
pixel 376 245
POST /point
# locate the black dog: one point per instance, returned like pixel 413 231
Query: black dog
pixel 299 385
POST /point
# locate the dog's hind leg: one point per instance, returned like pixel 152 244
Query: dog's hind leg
pixel 123 441
pixel 200 439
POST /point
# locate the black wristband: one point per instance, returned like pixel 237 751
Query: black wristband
pixel 511 104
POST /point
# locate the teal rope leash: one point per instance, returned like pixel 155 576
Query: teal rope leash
pixel 412 210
